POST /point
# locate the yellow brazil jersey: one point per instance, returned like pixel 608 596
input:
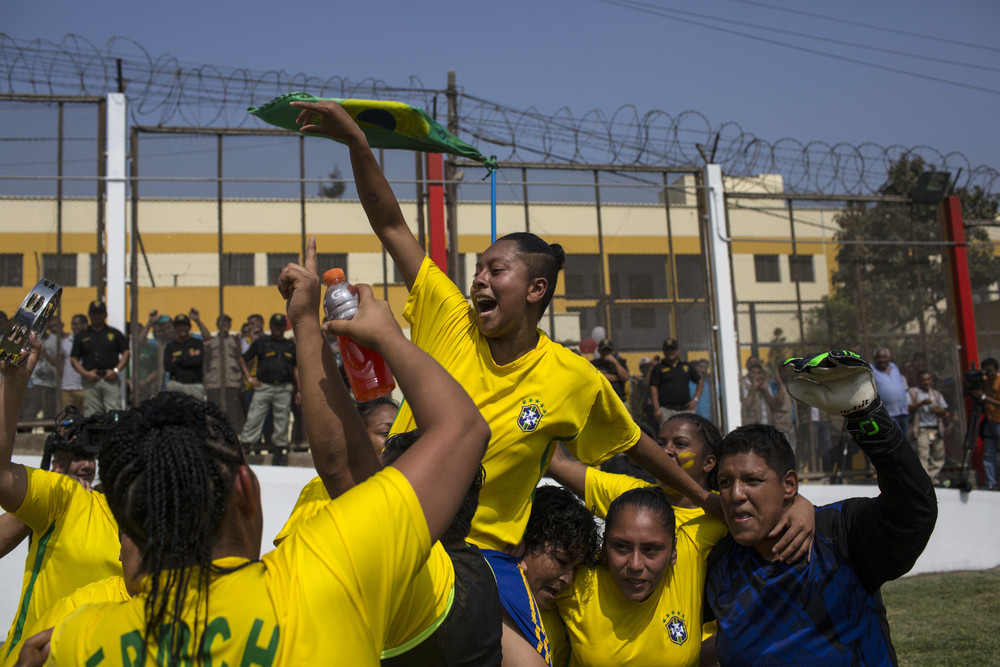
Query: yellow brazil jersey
pixel 323 594
pixel 429 594
pixel 74 542
pixel 548 395
pixel 602 627
pixel 111 589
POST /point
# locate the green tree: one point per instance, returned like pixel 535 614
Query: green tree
pixel 336 188
pixel 891 283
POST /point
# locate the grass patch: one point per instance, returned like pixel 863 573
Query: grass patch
pixel 945 619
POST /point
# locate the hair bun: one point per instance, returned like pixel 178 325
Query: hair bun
pixel 559 254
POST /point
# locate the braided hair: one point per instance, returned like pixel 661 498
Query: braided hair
pixel 168 470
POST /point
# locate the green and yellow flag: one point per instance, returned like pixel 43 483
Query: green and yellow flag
pixel 386 124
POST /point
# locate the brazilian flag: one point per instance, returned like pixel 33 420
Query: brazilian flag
pixel 386 124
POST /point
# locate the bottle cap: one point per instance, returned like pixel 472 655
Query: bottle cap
pixel 334 275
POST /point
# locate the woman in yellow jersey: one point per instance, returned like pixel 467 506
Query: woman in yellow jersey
pixel 531 391
pixel 177 479
pixel 378 416
pixel 74 537
pixel 645 606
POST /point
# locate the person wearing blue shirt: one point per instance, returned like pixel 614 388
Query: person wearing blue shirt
pixel 892 389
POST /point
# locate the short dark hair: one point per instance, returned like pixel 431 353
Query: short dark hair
pixel 460 526
pixel 763 440
pixel 544 260
pixel 559 520
pixel 990 361
pixel 644 498
pixel 366 408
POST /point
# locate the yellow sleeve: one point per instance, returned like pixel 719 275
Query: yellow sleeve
pixel 608 428
pixel 603 487
pixel 434 307
pixel 310 500
pixel 46 498
pixel 69 639
pixel 357 552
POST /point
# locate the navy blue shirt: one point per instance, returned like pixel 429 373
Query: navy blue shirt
pixel 275 359
pixel 828 610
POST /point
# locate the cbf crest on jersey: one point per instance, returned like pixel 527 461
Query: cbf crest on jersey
pixel 532 411
pixel 676 626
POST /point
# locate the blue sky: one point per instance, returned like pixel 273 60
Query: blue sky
pixel 590 54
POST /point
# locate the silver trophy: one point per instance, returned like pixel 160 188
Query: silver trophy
pixel 31 318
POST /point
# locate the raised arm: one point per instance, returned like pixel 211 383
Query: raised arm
pixel 341 449
pixel 329 119
pixel 568 471
pixel 443 462
pixel 13 480
pixel 196 316
pixel 886 534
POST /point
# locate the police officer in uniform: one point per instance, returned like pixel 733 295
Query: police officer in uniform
pixel 99 354
pixel 275 386
pixel 183 360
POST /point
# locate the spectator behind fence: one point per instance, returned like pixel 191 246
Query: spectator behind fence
pixel 783 408
pixel 928 409
pixel 892 388
pixel 99 354
pixel 757 400
pixel 71 383
pixel 274 388
pixel 991 423
pixel 222 374
pixel 41 398
pixel 611 366
pixel 668 384
pixel 183 359
pixel 707 401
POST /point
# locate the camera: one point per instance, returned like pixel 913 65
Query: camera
pixel 82 436
pixel 974 382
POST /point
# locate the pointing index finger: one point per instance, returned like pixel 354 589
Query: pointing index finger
pixel 310 259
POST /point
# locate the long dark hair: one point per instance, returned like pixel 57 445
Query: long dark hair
pixel 168 470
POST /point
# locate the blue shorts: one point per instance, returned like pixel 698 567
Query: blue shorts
pixel 516 598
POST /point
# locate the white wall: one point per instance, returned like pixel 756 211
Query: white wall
pixel 967 536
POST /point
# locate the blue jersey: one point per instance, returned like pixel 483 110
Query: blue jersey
pixel 828 610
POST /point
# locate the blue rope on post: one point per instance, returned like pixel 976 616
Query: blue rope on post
pixel 493 202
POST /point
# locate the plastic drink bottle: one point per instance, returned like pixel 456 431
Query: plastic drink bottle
pixel 366 370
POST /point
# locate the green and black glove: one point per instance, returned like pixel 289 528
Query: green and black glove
pixel 839 382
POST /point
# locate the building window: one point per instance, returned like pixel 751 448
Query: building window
pixel 331 260
pixel 766 268
pixel 638 276
pixel 800 268
pixel 60 268
pixel 582 274
pixel 95 270
pixel 637 326
pixel 11 269
pixel 276 261
pixel 690 276
pixel 237 268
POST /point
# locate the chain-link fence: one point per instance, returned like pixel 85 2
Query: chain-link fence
pixel 218 212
